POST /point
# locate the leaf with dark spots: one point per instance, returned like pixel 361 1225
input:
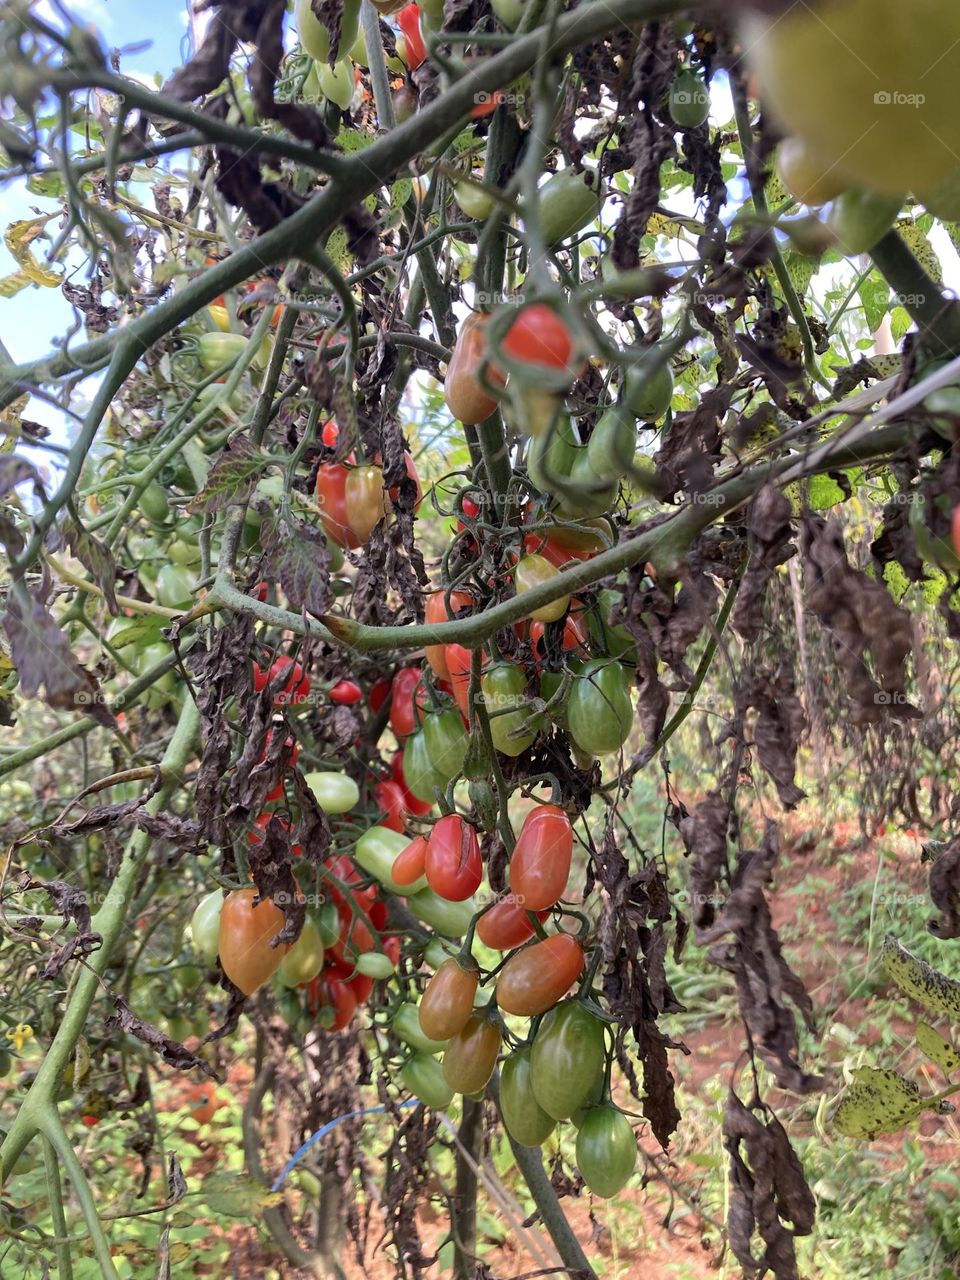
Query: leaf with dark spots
pixel 779 726
pixel 768 1188
pixel 101 817
pixel 861 617
pixel 185 833
pixel 97 558
pixel 42 656
pixel 691 450
pixel 298 557
pixel 260 766
pixel 312 832
pixel 659 1103
pixel 71 903
pixel 945 890
pixel 231 479
pixel 272 872
pixel 770 532
pixel 170 1050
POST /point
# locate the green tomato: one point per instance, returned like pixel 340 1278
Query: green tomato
pixel 567 204
pixel 184 553
pixel 689 101
pixel 406 1024
pixel 315 37
pixel 509 12
pixel 446 740
pixel 219 349
pixel 525 1119
pixel 552 455
pixel 214 395
pixel 205 926
pixel 154 503
pixel 615 641
pixel 860 218
pixel 174 587
pixel 504 690
pixel 451 919
pixel 612 445
pixel 648 389
pixel 600 710
pixel 304 960
pixel 161 691
pixel 473 200
pixel 327 920
pixel 423 1076
pixel 587 495
pixel 435 952
pixel 337 82
pixel 566 1055
pixel 606 1150
pixel 377 850
pixel 333 792
pixel 375 965
pixel 532 571
pixel 358 50
pixel 943 200
pixel 418 771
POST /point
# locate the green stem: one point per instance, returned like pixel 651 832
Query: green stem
pixel 55 1197
pixel 53 1131
pixel 463 1212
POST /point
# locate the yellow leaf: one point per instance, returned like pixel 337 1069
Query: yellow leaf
pixel 18 237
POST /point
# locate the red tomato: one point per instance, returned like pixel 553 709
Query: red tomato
pixel 436 610
pixel 535 544
pixel 378 913
pixel 246 932
pixel 90 1121
pixel 408 20
pixel 403 717
pixel 487 105
pixel 538 336
pixel 391 948
pixel 330 434
pixel 203 1101
pixel 506 925
pixel 332 1002
pixel 345 693
pixel 574 634
pixel 540 862
pixel 536 978
pixel 361 984
pixel 332 501
pixel 391 802
pixel 259 592
pixel 411 466
pixel 453 865
pixel 379 693
pixel 410 863
pixel 294 689
pixel 410 802
pixel 459 662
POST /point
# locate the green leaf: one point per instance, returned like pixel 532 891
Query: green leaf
pixel 823 492
pixel 938 1049
pixel 875 296
pixel 900 323
pixel 920 980
pixel 879 1101
pixel 914 236
pixel 236 1195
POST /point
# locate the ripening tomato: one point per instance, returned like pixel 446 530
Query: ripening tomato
pixel 246 931
pixel 472 1054
pixel 453 864
pixel 332 501
pixel 414 51
pixel 536 978
pixel 606 1150
pixel 561 550
pixel 437 610
pixel 294 689
pixel 408 866
pixel 506 925
pixel 566 1058
pixel 332 1002
pixel 203 1101
pixel 330 434
pixel 391 802
pixel 504 689
pixel 600 711
pixel 540 337
pixel 524 1118
pixel 364 501
pixel 540 862
pixel 532 571
pixel 459 662
pixel 466 396
pixel 447 1002
pixel 345 693
pixel 423 1076
pixel 403 713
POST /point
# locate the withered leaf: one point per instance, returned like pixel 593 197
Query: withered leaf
pixel 770 532
pixel 71 903
pixel 298 557
pixel 169 1050
pixel 97 558
pixel 945 890
pixel 231 478
pixel 272 872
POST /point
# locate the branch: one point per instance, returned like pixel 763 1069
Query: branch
pixel 935 315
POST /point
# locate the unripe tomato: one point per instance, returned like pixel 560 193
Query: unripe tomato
pixel 423 1076
pixel 436 610
pixel 333 792
pixel 532 571
pixel 406 1023
pixel 414 51
pixel 504 689
pixel 408 867
pixel 648 388
pixel 860 218
pixel 600 711
pixel 446 742
pixel 174 587
pixel 376 965
pixel 506 925
pixel 472 1055
pixel 525 1119
pixel 610 638
pixel 220 350
pixel 509 12
pixel 293 689
pixel 205 925
pixel 418 772
pixel 533 980
pixel 345 693
pixel 451 919
pixel 540 337
pixel 377 851
pixel 447 1002
pixel 411 802
pixel 473 200
pixel 337 83
pixel 314 35
pixel 567 203
pixel 466 397
pixel 332 1002
pixel 154 503
pixel 459 662
pixel 606 1150
pixel 805 177
pixel 404 717
pixel 613 444
pixel 689 101
pixel 364 501
pixel 304 960
pixel 566 1057
pixel 869 85
pixel 540 862
pixel 404 100
pixel 453 865
pixel 246 932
